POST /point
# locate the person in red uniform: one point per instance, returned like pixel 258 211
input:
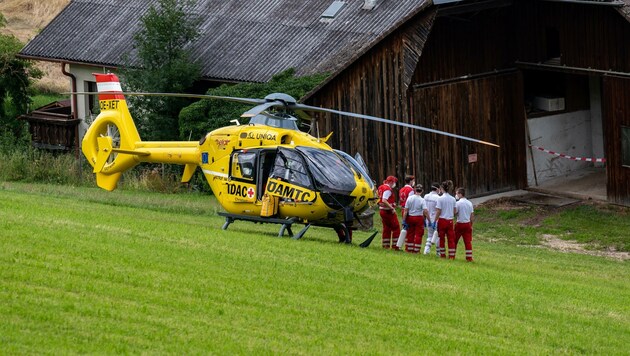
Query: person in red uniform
pixel 406 191
pixel 463 228
pixel 414 214
pixel 387 210
pixel 445 212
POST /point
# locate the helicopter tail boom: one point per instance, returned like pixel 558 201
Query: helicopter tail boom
pixel 112 144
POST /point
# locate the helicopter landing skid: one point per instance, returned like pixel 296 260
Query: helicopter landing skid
pixel 286 223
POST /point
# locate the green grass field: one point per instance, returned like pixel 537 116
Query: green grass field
pixel 87 271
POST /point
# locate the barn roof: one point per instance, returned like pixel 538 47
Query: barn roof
pixel 240 40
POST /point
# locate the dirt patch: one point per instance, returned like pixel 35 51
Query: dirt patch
pixel 556 243
pixel 534 214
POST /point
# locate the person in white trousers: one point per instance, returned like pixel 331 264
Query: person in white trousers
pixel 431 203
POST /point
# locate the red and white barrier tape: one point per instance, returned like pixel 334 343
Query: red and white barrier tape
pixel 602 160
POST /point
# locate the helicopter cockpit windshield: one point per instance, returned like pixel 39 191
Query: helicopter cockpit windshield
pixel 330 172
pixel 358 167
pixel 280 120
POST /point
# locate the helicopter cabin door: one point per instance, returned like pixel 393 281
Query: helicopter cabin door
pixel 266 159
pixel 289 170
pixel 253 169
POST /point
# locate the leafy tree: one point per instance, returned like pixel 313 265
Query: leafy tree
pixel 209 114
pixel 163 65
pixel 16 76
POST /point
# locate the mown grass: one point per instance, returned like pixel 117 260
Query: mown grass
pixel 87 271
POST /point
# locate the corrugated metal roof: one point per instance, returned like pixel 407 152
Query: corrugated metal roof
pixel 240 40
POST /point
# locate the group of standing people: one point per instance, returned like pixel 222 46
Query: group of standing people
pixel 447 219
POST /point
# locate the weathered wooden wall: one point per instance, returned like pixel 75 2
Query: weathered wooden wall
pixel 616 113
pixel 376 84
pixel 590 36
pixel 488 108
pixel 466 45
pixel 467 79
pixel 396 80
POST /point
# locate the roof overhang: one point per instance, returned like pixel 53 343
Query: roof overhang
pixel 450 8
pixel 64 61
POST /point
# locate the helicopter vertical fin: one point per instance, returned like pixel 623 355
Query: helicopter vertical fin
pixel 105 150
pixel 111 139
pixel 189 170
pixel 325 139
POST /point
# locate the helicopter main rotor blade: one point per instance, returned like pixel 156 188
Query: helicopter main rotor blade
pixel 177 95
pixel 380 119
pixel 260 108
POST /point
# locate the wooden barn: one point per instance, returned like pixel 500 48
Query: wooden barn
pixel 550 74
pixel 547 80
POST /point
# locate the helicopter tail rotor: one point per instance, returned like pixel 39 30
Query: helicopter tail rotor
pixel 109 143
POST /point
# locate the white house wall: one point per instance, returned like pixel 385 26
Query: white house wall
pixel 83 75
pixel 568 133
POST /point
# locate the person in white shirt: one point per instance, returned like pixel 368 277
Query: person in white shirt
pixel 445 213
pixel 463 228
pixel 414 213
pixel 431 201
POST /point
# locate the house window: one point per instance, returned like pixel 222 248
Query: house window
pixel 625 146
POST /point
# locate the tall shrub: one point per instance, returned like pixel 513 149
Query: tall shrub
pixel 163 65
pixel 16 76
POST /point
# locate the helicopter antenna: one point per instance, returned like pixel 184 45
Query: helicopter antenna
pixel 317 129
pixel 235 121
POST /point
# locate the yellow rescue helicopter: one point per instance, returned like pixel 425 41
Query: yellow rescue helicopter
pixel 267 171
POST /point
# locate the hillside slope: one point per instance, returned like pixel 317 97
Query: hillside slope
pixel 25 18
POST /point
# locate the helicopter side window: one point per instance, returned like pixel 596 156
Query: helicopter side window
pixel 243 165
pixel 289 166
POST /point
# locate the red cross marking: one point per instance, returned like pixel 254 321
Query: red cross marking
pixel 250 192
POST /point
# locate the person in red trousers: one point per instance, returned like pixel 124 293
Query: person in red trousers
pixel 387 210
pixel 463 228
pixel 414 215
pixel 445 213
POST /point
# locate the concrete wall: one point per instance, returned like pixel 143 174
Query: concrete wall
pixel 568 133
pixel 597 131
